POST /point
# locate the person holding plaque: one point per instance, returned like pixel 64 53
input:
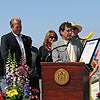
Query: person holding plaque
pixel 97 65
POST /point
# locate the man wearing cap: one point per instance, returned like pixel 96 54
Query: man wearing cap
pixel 75 30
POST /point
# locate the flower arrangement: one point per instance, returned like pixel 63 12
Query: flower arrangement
pixel 17 81
pixel 98 96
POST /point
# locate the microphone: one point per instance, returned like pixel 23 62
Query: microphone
pixel 62 45
pixel 49 54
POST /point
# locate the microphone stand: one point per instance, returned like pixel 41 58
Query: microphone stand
pixel 47 56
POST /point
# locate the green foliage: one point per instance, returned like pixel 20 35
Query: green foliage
pixel 9 59
pixel 97 99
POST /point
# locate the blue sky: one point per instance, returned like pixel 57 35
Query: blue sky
pixel 39 16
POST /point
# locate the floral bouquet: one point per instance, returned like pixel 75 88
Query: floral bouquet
pixel 17 81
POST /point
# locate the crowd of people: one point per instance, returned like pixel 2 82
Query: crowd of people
pixel 66 49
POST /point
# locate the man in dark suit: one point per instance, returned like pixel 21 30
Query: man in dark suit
pixel 33 74
pixel 16 42
pixel 2 81
pixel 18 45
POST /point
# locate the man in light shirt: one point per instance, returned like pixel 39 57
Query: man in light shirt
pixel 66 49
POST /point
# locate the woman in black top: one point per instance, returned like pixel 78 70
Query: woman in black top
pixel 44 53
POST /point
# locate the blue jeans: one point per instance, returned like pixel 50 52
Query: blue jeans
pixel 2 84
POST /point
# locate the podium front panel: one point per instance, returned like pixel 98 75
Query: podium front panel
pixel 77 87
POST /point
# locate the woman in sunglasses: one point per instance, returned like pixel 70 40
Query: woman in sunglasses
pixel 44 53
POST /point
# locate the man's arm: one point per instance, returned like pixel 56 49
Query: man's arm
pixel 4 48
pixel 55 54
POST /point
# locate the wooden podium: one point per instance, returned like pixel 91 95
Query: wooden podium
pixel 76 86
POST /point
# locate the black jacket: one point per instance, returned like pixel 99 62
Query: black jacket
pixel 1 64
pixel 9 42
pixel 43 56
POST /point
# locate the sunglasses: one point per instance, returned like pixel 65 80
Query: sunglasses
pixel 53 37
pixel 74 28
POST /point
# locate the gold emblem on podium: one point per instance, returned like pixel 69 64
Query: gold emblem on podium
pixel 61 76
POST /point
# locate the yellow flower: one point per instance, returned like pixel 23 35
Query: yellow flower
pixel 12 93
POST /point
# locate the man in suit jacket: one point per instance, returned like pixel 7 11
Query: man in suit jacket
pixel 66 49
pixel 16 42
pixel 2 80
pixel 33 74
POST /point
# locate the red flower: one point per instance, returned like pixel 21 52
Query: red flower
pixel 34 93
pixel 98 94
pixel 2 95
pixel 35 90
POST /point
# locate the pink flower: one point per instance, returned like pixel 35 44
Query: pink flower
pixel 20 70
pixel 26 71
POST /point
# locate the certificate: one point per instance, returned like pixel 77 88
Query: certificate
pixel 89 50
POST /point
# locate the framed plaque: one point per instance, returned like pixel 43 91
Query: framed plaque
pixel 89 50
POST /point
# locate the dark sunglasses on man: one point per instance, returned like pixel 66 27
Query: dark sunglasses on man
pixel 74 28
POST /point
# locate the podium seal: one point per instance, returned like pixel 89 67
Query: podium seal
pixel 61 76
